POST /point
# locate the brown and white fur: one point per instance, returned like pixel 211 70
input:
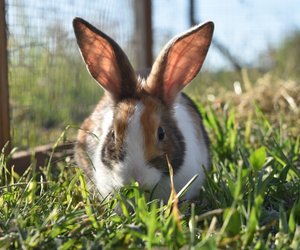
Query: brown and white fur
pixel 138 122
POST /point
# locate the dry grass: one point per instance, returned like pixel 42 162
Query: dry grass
pixel 273 96
pixel 278 99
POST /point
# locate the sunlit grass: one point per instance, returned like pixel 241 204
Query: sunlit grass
pixel 251 199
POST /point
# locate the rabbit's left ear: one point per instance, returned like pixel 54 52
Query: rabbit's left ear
pixel 105 60
pixel 179 62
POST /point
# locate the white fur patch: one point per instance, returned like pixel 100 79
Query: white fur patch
pixel 133 168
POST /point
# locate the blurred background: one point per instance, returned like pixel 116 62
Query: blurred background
pixel 254 56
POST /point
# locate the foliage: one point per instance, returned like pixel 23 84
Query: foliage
pixel 251 200
pixel 284 60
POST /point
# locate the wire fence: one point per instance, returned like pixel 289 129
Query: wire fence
pixel 49 85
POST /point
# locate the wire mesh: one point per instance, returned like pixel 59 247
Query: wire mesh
pixel 49 85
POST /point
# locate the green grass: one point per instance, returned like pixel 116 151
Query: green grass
pixel 251 200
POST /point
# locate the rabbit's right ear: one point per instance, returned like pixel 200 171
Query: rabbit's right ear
pixel 179 62
pixel 105 60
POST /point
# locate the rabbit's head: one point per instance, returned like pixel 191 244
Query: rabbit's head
pixel 141 122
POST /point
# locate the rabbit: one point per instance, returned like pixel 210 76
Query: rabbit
pixel 139 123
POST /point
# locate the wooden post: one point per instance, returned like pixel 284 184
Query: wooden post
pixel 143 33
pixel 4 97
pixel 192 13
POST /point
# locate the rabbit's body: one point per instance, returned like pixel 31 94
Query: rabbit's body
pixel 138 124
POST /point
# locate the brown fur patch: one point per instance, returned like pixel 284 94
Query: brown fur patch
pixel 150 121
pixel 157 114
pixel 113 147
pixel 123 112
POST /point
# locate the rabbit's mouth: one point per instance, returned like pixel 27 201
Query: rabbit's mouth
pixel 161 163
pixel 146 176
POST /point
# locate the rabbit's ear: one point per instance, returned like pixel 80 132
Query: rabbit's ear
pixel 179 62
pixel 105 60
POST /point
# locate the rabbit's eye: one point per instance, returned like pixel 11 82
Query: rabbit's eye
pixel 160 133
